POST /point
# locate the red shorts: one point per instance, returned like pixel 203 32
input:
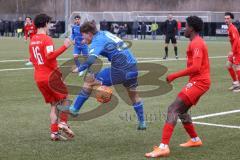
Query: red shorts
pixel 234 59
pixel 193 91
pixel 53 91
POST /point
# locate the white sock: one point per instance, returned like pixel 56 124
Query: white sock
pixel 163 146
pixel 236 82
pixel 195 139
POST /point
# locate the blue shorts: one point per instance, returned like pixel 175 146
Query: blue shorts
pixel 77 50
pixel 110 76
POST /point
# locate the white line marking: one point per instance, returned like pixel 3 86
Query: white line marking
pixel 215 114
pixel 217 125
pixel 60 59
pixel 150 58
pixel 144 61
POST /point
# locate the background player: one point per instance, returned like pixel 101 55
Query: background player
pixel 123 69
pixel 233 62
pixel 43 56
pixel 170 30
pixel 79 46
pixel 198 71
pixel 29 31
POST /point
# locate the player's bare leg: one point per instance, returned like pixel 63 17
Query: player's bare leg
pixel 235 82
pixel 138 107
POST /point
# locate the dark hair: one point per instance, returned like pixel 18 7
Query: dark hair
pixel 88 26
pixel 28 17
pixel 195 22
pixel 41 20
pixel 229 14
pixel 77 16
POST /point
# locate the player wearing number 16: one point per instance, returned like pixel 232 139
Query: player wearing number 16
pixel 43 56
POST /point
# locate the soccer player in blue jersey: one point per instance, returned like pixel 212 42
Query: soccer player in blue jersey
pixel 123 69
pixel 79 46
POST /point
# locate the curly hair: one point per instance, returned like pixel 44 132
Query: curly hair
pixel 229 14
pixel 41 20
pixel 195 22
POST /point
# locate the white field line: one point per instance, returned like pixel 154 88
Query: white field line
pixel 147 58
pixel 141 61
pixel 60 59
pixel 217 125
pixel 215 114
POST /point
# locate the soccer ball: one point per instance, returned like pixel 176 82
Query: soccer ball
pixel 103 94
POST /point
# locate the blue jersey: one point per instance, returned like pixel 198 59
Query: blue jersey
pixel 77 36
pixel 110 46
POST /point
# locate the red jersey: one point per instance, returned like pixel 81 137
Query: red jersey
pixel 234 39
pixel 29 30
pixel 198 49
pixel 43 56
pixel 179 25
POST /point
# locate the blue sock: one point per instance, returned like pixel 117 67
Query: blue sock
pixel 138 107
pixel 80 99
pixel 77 62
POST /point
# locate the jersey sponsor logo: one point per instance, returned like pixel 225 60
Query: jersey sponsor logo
pixel 91 51
pixel 49 49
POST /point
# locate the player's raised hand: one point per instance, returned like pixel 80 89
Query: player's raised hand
pixel 67 42
pixel 75 70
pixel 83 41
pixel 170 78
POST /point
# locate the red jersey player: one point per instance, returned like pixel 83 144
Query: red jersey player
pixel 29 31
pixel 198 71
pixel 43 56
pixel 29 28
pixel 233 63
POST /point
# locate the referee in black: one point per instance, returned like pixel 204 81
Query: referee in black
pixel 170 30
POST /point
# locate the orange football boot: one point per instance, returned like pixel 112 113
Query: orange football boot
pixel 158 152
pixel 191 143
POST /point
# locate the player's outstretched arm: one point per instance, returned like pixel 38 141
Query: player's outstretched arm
pixel 91 59
pixel 194 69
pixel 59 51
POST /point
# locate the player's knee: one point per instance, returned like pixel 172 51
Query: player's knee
pixel 185 118
pixel 75 56
pixel 90 81
pixel 172 114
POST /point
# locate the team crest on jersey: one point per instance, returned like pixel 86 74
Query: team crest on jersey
pixel 189 85
pixel 49 49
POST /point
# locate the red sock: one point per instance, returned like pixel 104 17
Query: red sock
pixel 167 133
pixel 63 117
pixel 54 127
pixel 232 74
pixel 238 74
pixel 190 130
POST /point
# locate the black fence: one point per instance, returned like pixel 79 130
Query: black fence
pixel 209 29
pixel 9 28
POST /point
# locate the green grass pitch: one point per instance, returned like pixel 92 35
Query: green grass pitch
pixel 24 117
